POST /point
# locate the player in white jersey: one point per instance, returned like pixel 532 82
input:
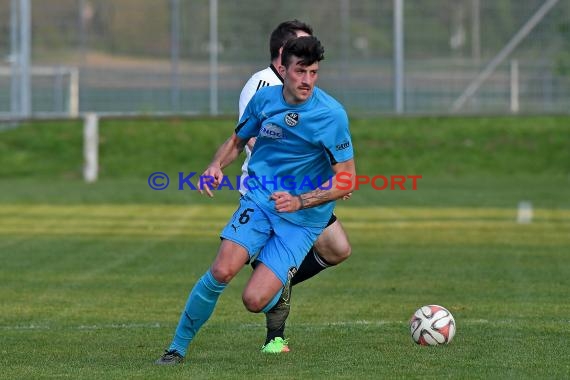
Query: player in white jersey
pixel 332 246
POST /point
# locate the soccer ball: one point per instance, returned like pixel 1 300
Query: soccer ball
pixel 432 325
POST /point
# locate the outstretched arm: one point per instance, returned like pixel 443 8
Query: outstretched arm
pixel 224 156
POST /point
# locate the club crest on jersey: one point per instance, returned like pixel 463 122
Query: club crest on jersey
pixel 291 119
pixel 271 131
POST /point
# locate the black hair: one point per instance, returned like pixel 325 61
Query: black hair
pixel 284 32
pixel 308 48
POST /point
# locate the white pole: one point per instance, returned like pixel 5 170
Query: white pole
pixel 476 30
pixel 25 52
pixel 91 147
pixel 399 56
pixel 74 92
pixel 14 59
pixel 175 55
pixel 514 86
pixel 214 57
pixel 524 212
pixel 345 44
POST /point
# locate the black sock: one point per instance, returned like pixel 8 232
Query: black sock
pixel 275 320
pixel 272 334
pixel 311 265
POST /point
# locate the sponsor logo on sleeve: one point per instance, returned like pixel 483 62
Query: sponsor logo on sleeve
pixel 343 145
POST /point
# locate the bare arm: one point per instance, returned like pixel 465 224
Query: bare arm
pixel 224 156
pixel 342 184
pixel 251 143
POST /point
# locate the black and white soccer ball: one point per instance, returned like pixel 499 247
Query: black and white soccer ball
pixel 432 325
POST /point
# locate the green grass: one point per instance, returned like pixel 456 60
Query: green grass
pixel 95 291
pixel 439 147
pixel 94 276
pixel 475 162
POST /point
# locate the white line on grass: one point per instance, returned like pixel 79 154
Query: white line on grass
pixel 356 323
pixel 111 326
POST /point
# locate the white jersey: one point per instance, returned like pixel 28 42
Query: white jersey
pixel 263 78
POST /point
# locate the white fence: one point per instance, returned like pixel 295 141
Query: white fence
pixel 190 56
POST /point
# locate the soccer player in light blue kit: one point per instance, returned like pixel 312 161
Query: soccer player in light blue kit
pixel 332 246
pixel 303 141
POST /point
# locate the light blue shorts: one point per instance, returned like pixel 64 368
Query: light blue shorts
pixel 281 245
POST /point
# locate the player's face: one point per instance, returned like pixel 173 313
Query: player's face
pixel 299 80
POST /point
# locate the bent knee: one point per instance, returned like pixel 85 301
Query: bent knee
pixel 222 274
pixel 346 251
pixel 253 303
pixel 343 252
pixel 336 253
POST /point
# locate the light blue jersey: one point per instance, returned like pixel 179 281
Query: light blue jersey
pixel 295 148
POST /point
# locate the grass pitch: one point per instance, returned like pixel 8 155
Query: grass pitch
pixel 95 291
pixel 93 276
